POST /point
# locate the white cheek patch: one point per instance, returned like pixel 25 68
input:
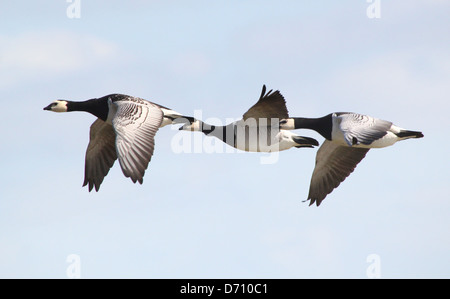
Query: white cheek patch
pixel 289 125
pixel 61 106
pixel 195 126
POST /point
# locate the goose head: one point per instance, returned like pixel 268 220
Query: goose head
pixel 192 126
pixel 57 106
pixel 287 124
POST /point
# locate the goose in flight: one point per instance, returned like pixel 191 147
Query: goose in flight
pixel 124 129
pixel 258 130
pixel 349 136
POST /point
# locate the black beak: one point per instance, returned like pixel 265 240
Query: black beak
pixel 306 141
pixel 312 141
pixel 48 107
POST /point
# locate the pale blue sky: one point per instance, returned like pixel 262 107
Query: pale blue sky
pixel 224 215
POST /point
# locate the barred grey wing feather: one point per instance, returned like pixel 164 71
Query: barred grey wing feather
pixel 363 129
pixel 135 124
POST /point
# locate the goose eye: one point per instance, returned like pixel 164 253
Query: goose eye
pixel 282 122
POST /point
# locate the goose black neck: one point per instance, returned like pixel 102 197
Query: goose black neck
pixel 322 125
pixel 225 133
pixel 207 129
pixel 98 107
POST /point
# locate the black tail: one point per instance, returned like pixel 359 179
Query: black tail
pixel 409 134
pixel 305 141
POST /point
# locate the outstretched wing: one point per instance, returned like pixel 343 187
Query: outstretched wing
pixel 100 154
pixel 135 122
pixel 362 129
pixel 334 163
pixel 270 105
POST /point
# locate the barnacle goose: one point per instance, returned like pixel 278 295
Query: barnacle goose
pixel 349 136
pixel 258 130
pixel 124 130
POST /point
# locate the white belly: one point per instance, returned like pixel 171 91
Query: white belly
pixel 387 140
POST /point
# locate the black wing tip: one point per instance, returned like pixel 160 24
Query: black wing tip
pixel 264 94
pixel 135 180
pixel 312 200
pixel 91 185
pixel 271 93
pixel 263 91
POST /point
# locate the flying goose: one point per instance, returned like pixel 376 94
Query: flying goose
pixel 258 130
pixel 349 136
pixel 125 129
